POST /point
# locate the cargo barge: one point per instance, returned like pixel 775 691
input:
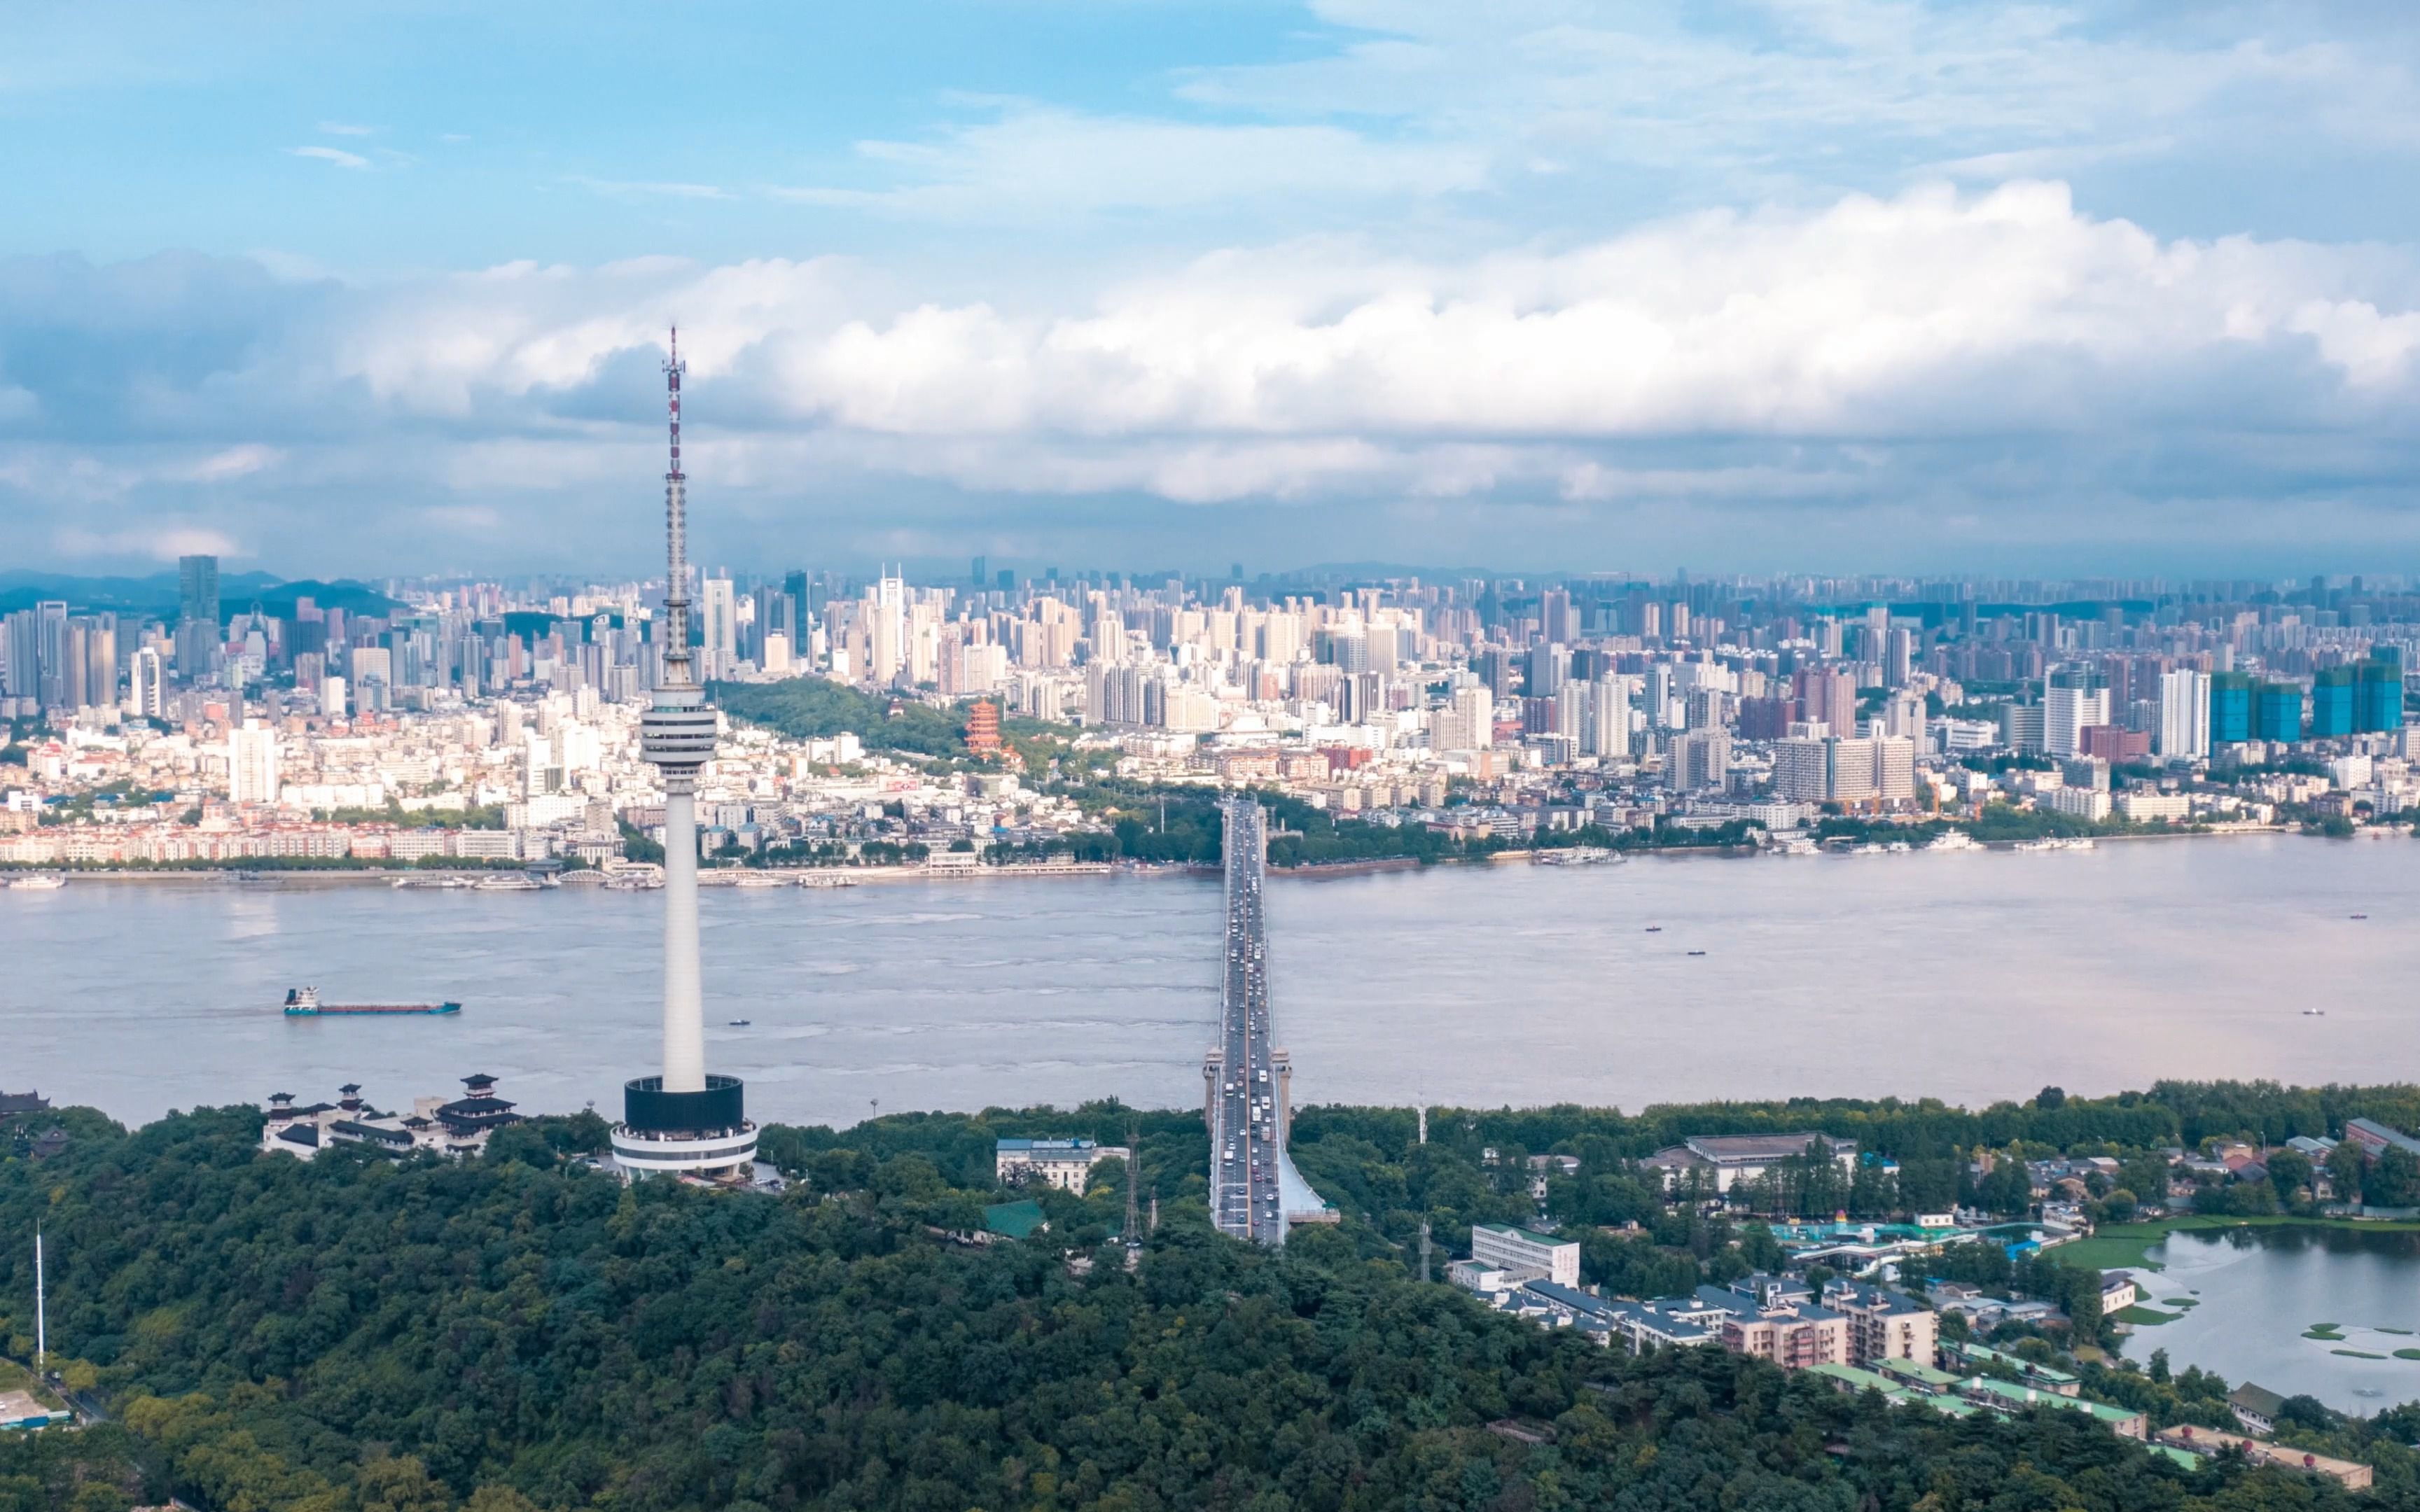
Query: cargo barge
pixel 304 1002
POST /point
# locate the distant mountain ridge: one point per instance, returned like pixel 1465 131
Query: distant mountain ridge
pixel 157 594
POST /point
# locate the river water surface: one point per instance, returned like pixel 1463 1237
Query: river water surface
pixel 1967 976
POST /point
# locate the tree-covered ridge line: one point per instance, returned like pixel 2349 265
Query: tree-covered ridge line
pixel 357 1336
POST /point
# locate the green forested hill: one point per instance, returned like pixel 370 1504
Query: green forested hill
pixel 353 1335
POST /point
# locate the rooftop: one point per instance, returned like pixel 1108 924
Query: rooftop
pixel 1728 1149
pixel 1014 1219
pixel 1850 1375
pixel 2013 1395
pixel 1043 1147
pixel 1531 1235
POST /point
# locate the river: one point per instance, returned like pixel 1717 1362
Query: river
pixel 1968 976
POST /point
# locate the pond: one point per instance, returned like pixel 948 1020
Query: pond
pixel 2257 1295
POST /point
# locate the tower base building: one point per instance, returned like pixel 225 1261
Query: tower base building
pixel 703 1133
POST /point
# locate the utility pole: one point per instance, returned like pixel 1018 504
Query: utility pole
pixel 42 1312
pixel 1424 1249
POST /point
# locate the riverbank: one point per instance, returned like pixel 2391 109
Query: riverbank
pixel 2126 1246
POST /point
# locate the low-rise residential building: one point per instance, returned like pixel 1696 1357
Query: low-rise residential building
pixel 1791 1337
pixel 2255 1407
pixel 2119 1291
pixel 1882 1324
pixel 2040 1376
pixel 1917 1376
pixel 2013 1399
pixel 1065 1163
pixel 2376 1138
pixel 1665 1323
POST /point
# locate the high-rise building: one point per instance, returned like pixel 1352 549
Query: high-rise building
pixel 2378 697
pixel 1895 769
pixel 720 613
pixel 1608 732
pixel 2231 708
pixel 2334 701
pixel 1817 769
pixel 251 764
pixel 2278 712
pixel 197 590
pixel 100 681
pixel 198 617
pixel 73 662
pixel 2184 715
pixel 1903 716
pixel 1854 770
pixel 1802 770
pixel 1829 694
pixel 1698 759
pixel 21 674
pixel 682 1121
pixel 50 654
pixel 146 698
pixel 1468 722
pixel 1550 663
pixel 2078 698
pixel 795 591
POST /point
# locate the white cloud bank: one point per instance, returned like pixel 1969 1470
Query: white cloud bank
pixel 1932 314
pixel 1779 356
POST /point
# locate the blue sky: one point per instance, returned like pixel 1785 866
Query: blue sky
pixel 1541 283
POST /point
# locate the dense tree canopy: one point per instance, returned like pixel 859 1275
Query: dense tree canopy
pixel 523 1331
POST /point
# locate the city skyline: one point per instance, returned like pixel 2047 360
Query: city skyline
pixel 1924 288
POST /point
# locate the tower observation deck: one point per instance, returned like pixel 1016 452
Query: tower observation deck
pixel 684 1121
pixel 1247 1084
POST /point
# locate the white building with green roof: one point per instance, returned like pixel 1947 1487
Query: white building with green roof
pixel 1526 1253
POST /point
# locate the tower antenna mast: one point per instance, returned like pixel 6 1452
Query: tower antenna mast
pixel 676 659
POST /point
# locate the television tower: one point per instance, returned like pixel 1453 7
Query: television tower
pixel 683 1123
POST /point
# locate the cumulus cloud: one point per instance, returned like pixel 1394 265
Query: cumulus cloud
pixel 1929 313
pixel 1914 354
pixel 336 155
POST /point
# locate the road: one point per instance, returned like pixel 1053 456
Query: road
pixel 1245 1157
